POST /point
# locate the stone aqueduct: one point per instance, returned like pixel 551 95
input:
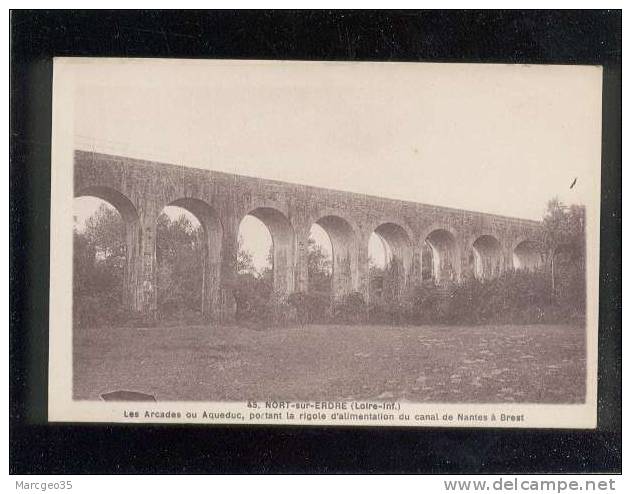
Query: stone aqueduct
pixel 461 243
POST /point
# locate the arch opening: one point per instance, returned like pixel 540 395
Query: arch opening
pixel 379 252
pixel 487 256
pixel 527 256
pixel 319 261
pixel 390 261
pixel 344 263
pixel 255 250
pixel 444 256
pixel 188 260
pixel 278 246
pixel 100 261
pixel 255 263
pixel 117 200
pixel 427 261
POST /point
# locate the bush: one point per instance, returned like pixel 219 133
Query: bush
pixel 310 307
pixel 251 296
pixel 178 316
pixel 425 304
pixel 261 308
pixel 395 312
pixel 515 297
pixel 350 308
pixel 279 311
pixel 100 311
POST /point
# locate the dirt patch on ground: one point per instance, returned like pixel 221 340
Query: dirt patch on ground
pixel 480 364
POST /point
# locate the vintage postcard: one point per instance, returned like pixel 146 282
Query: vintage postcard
pixel 339 243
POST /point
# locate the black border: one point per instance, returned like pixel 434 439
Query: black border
pixel 560 37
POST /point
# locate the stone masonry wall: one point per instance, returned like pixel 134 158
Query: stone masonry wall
pixel 141 189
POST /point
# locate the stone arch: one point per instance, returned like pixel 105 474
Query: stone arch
pixel 341 213
pixel 209 220
pixel 487 257
pixel 132 295
pixel 120 201
pixel 211 251
pixel 399 242
pixel 527 256
pixel 283 246
pixel 344 253
pixel 395 220
pixel 445 253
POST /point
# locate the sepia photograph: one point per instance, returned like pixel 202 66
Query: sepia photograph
pixel 340 243
pixel 323 241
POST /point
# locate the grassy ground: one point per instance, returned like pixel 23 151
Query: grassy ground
pixel 543 364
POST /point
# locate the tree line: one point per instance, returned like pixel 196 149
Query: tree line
pixel 553 293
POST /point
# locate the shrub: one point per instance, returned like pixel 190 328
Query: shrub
pixel 395 312
pixel 310 307
pixel 99 311
pixel 350 308
pixel 178 315
pixel 278 310
pixel 515 297
pixel 425 304
pixel 252 297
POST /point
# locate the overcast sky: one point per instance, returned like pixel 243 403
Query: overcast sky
pixel 501 139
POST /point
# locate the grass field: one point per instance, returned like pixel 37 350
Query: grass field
pixel 483 364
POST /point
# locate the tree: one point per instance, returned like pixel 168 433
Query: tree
pixel 245 259
pixel 179 257
pixel 564 243
pixel 564 225
pixel 253 288
pixel 319 268
pixel 105 231
pixel 267 273
pixel 99 259
pixel 564 232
